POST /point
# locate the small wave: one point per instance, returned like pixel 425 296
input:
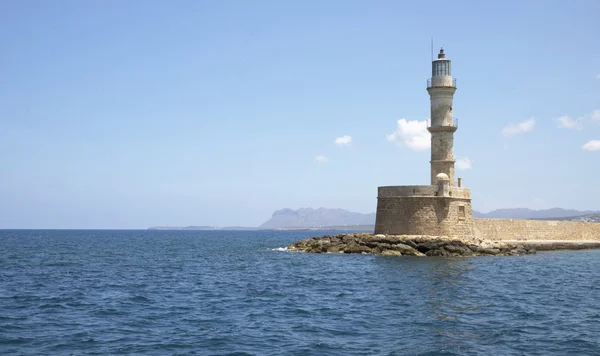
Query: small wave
pixel 52 306
pixel 139 299
pixel 284 249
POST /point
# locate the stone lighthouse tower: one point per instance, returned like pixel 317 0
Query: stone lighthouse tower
pixel 441 88
pixel 443 207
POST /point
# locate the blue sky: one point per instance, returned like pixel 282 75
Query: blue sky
pixel 128 114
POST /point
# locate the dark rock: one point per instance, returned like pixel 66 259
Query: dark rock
pixel 379 247
pixel 461 250
pixel 425 246
pixel 488 251
pixel 437 252
pixel 407 245
pixel 411 244
pixel 406 250
pixel 356 248
pixel 335 248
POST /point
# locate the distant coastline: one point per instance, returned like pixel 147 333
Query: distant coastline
pixel 244 228
pixel 202 228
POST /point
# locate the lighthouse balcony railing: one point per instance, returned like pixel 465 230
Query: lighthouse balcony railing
pixel 454 122
pixel 440 85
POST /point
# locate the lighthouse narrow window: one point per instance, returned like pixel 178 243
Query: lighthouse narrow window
pixel 442 68
pixel 461 212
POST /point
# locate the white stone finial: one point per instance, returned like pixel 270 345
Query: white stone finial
pixel 442 177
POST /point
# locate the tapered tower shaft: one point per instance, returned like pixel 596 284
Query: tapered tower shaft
pixel 441 88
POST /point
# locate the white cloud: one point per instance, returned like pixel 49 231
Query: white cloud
pixel 593 145
pixel 521 127
pixel 344 140
pixel 413 134
pixel 566 122
pixel 321 159
pixel 598 76
pixel 462 164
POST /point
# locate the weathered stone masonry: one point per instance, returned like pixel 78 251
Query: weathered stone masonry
pixel 517 229
pixel 424 216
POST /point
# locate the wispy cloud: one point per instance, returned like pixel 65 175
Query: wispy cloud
pixel 566 122
pixel 321 159
pixel 343 141
pixel 593 145
pixel 413 134
pixel 463 164
pixel 518 128
pixel 598 76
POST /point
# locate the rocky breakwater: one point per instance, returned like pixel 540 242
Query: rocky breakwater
pixel 408 245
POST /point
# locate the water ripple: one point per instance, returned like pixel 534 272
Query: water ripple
pixel 238 293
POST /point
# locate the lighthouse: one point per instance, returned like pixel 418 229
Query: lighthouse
pixel 441 88
pixel 443 207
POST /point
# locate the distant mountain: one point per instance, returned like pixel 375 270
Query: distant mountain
pixel 322 217
pixel 523 213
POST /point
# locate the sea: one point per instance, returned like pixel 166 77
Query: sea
pixel 102 292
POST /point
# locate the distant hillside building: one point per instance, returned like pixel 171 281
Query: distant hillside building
pixel 444 206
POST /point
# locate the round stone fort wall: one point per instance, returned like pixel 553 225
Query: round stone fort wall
pixel 414 215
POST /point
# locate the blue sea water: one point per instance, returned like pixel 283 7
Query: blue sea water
pixel 234 293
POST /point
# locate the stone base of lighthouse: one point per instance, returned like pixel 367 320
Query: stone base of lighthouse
pixel 433 210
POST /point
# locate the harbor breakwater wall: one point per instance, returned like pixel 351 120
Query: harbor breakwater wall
pixel 518 229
